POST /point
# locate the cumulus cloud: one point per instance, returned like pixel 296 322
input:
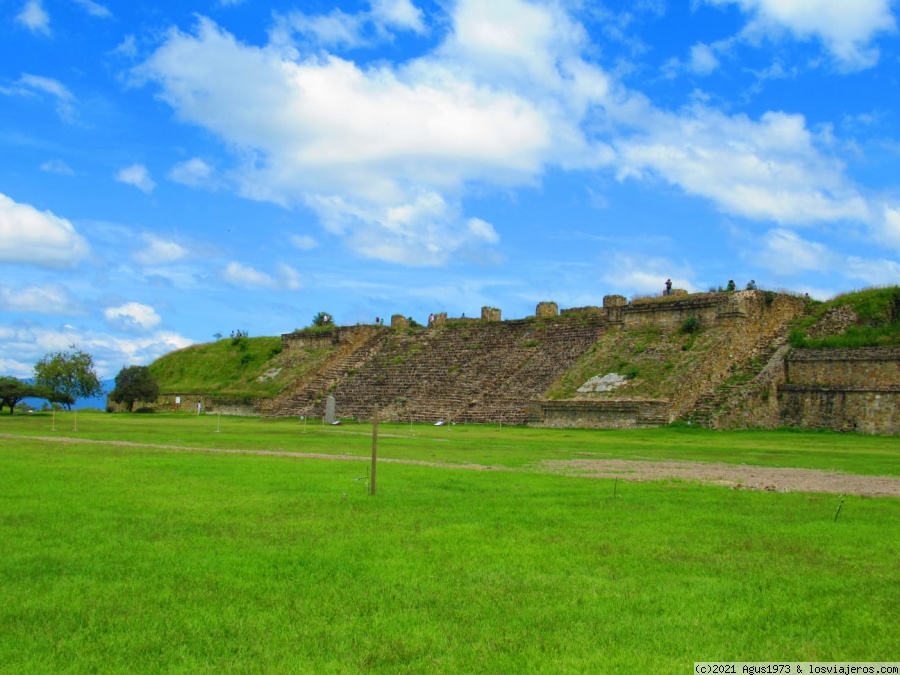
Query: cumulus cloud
pixel 132 316
pixel 157 251
pixel 493 104
pixel 194 172
pixel 401 14
pixel 846 29
pixel 34 17
pixel 138 176
pixel 766 169
pixel 46 299
pixel 40 238
pixel 23 344
pixel 385 154
pixel 244 276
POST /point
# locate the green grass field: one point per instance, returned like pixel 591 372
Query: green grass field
pixel 129 558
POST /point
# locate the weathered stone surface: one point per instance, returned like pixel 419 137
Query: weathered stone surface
pixel 599 383
pixel 490 314
pixel 547 309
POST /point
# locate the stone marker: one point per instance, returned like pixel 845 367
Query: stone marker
pixel 329 409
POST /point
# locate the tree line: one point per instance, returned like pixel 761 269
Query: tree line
pixel 62 377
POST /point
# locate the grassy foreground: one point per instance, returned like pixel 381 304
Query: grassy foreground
pixel 140 559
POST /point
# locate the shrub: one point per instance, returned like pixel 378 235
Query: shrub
pixel 689 325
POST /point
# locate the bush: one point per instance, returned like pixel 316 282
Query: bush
pixel 689 325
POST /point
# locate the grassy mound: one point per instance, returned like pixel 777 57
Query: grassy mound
pixel 871 318
pixel 245 367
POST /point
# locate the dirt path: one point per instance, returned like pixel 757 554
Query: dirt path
pixel 738 476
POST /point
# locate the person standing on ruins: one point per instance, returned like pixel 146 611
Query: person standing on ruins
pixel 668 287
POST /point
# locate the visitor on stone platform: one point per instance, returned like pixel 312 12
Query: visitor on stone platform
pixel 730 286
pixel 751 285
pixel 668 287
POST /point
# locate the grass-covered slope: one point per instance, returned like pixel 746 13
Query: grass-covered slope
pixel 867 318
pixel 244 367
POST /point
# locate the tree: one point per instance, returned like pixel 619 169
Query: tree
pixel 13 390
pixel 70 374
pixel 135 383
pixel 323 319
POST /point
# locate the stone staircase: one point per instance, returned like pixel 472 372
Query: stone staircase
pixel 486 373
pixel 769 354
pixel 306 396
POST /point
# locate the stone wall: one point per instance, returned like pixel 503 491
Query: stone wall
pixel 611 414
pixel 862 409
pixel 840 389
pixel 242 407
pixel 845 367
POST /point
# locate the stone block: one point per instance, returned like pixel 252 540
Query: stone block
pixel 490 314
pixel 547 309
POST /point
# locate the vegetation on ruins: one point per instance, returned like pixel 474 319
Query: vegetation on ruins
pixel 874 321
pixel 672 362
pixel 130 558
pixel 242 367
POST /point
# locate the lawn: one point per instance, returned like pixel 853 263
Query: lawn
pixel 145 559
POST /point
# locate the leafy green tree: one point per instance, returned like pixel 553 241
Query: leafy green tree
pixel 323 319
pixel 13 390
pixel 69 374
pixel 135 383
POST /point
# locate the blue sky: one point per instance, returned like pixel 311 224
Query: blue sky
pixel 173 170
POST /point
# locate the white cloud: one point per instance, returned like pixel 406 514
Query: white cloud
pixel 401 14
pixel 138 176
pixel 244 276
pixel 21 346
pixel 483 230
pixel 304 242
pixel 57 166
pixel 288 278
pixel 34 17
pixel 194 172
pixel 385 154
pixel 703 59
pixel 158 251
pixel 132 316
pixel 363 145
pixel 770 169
pixel 37 237
pixel 889 233
pixel 787 254
pixel 127 47
pixel 626 272
pixel 46 299
pixel 95 9
pixel 846 29
pixel 29 84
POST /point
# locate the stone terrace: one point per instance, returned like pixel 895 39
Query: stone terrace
pixel 459 372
